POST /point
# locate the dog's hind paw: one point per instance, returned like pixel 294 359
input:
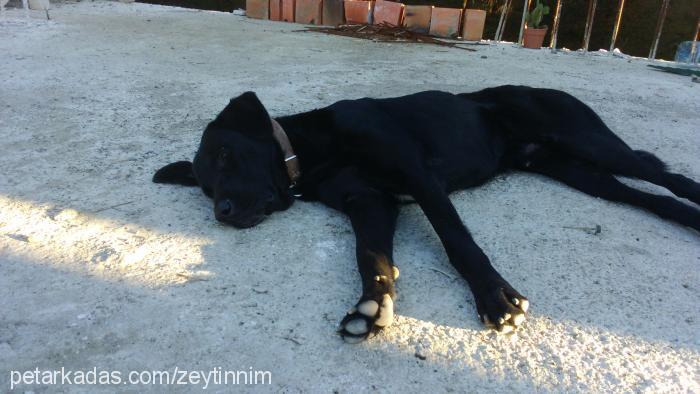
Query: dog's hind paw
pixel 502 308
pixel 366 318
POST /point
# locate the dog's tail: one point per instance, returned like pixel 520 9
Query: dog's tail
pixel 652 160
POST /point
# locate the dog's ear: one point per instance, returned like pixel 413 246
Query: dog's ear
pixel 178 173
pixel 246 114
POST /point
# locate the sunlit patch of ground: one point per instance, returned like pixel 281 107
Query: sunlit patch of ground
pixel 574 357
pixel 94 246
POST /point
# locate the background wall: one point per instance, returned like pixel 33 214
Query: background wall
pixel 635 37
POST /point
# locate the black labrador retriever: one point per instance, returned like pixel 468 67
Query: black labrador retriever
pixel 357 156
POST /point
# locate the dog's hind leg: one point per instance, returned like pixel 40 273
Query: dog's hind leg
pixel 605 150
pixel 373 216
pixel 650 168
pixel 499 305
pixel 597 182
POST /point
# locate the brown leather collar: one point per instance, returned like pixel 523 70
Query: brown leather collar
pixel 290 159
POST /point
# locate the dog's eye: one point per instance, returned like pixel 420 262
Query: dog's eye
pixel 223 157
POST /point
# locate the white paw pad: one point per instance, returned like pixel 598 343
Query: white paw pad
pixel 365 318
pixel 353 340
pixel 395 269
pixel 368 308
pixel 357 327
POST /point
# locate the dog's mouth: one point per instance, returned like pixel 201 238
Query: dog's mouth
pixel 244 222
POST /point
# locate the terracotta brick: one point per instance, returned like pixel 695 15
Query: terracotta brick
pixel 275 10
pixel 388 12
pixel 308 12
pixel 473 24
pixel 288 10
pixel 417 18
pixel 358 11
pixel 333 12
pixel 445 22
pixel 258 9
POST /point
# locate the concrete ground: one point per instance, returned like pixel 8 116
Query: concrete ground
pixel 100 268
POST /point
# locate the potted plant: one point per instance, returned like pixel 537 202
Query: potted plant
pixel 534 33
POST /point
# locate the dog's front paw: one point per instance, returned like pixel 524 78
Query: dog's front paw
pixel 366 318
pixel 501 307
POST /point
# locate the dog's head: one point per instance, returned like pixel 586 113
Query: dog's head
pixel 239 165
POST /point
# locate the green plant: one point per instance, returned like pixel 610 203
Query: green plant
pixel 534 17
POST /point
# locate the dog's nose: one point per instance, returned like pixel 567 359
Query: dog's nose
pixel 223 209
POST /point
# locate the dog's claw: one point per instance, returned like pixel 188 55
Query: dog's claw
pixel 386 314
pixel 525 305
pixel 506 329
pixel 518 319
pixel 380 278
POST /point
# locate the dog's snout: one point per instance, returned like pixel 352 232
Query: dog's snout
pixel 224 209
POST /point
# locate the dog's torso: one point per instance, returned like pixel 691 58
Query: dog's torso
pixel 462 139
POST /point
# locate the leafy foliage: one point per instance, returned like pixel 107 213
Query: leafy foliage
pixel 534 17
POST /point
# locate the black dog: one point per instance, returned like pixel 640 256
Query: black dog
pixel 357 155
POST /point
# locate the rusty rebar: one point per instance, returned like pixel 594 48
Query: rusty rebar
pixel 616 28
pixel 694 45
pixel 526 8
pixel 555 27
pixel 589 24
pixel 502 21
pixel 659 28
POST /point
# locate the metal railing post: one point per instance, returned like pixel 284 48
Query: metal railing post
pixel 616 29
pixel 555 27
pixel 526 8
pixel 589 24
pixel 502 21
pixel 694 45
pixel 659 28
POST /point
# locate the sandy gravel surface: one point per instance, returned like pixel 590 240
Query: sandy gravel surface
pixel 101 268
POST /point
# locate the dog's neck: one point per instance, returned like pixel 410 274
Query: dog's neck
pixel 290 158
pixel 311 135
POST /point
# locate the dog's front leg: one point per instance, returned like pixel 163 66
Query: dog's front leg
pixel 499 305
pixel 373 217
